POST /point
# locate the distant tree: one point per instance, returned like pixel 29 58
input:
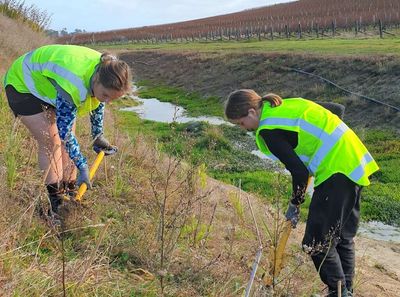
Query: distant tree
pixel 63 32
pixel 52 33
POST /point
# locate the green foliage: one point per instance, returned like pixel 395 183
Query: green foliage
pixel 237 205
pixel 202 173
pixel 120 260
pixel 384 144
pixel 212 139
pixel 381 202
pixel 35 244
pixel 119 185
pixel 389 172
pixel 194 231
pixel 260 182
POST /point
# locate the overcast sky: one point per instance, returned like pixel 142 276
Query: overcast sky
pixel 99 15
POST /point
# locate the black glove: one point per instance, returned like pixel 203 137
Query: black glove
pixel 293 214
pixel 102 144
pixel 84 177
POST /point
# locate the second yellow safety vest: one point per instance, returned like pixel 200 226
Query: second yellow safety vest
pixel 326 145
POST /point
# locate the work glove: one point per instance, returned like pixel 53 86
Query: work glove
pixel 84 177
pixel 293 214
pixel 102 144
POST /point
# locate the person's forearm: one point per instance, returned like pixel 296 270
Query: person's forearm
pixel 97 119
pixel 65 117
pixel 281 144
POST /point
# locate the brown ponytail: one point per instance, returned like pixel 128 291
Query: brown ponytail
pixel 113 73
pixel 239 102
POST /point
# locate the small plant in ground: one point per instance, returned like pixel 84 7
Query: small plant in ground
pixel 237 205
pixel 176 201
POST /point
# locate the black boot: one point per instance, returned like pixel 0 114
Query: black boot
pixel 334 292
pixel 56 193
pixel 70 189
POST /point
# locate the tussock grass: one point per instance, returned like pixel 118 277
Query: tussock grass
pixel 31 15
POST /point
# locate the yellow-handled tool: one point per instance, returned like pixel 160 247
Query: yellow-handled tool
pixel 83 187
pixel 277 254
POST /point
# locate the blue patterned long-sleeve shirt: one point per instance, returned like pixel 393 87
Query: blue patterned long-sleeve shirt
pixel 96 119
pixel 65 116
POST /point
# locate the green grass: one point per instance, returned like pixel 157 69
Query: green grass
pixel 273 186
pixel 211 145
pixel 328 46
pixel 260 182
pixel 195 104
pixel 381 200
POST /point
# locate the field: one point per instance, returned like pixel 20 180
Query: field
pixel 299 19
pixel 331 47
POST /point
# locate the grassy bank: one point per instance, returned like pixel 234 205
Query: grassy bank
pixel 151 226
pixel 382 198
pixel 333 47
pixel 218 148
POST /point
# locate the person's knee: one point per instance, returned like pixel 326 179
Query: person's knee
pixel 346 243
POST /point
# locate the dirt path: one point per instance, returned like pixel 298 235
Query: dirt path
pixel 378 272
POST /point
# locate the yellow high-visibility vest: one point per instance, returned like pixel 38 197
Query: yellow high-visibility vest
pixel 326 145
pixel 70 66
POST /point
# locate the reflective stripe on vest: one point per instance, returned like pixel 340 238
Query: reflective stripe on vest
pixel 360 170
pixel 28 67
pixel 328 140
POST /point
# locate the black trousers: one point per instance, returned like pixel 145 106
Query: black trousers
pixel 331 226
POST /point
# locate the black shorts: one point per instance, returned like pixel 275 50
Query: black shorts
pixel 25 103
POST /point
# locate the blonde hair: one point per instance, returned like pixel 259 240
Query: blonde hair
pixel 240 101
pixel 114 74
